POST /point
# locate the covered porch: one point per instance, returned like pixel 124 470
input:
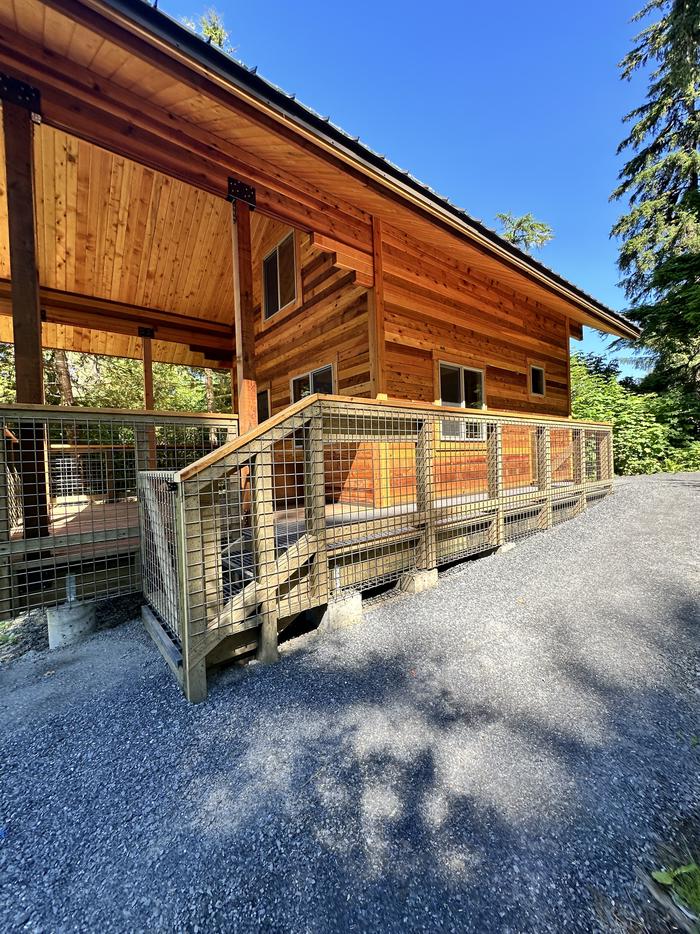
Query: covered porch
pixel 102 256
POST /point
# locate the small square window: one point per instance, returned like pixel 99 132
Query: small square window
pixel 322 380
pixel 450 385
pixel 473 388
pixel 537 382
pixel 263 405
pixel 279 277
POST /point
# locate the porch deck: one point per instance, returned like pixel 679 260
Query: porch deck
pixel 68 496
pixel 339 494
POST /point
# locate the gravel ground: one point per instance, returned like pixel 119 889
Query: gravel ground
pixel 498 754
pixel 29 632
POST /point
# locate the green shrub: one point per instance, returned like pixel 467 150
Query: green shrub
pixel 651 432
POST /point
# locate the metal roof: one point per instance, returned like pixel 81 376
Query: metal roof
pixel 215 59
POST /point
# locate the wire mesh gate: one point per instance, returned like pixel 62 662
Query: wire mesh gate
pixel 69 516
pixel 337 494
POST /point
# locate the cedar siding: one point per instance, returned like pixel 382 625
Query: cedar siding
pixel 437 309
pixel 327 326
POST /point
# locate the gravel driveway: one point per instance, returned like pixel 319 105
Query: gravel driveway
pixel 498 754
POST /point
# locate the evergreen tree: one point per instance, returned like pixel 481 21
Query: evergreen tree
pixel 210 26
pixel 660 179
pixel 525 231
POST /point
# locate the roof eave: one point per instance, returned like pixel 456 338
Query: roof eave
pixel 292 113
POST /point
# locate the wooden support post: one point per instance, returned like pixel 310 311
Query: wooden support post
pixel 148 397
pixel 426 557
pixel 149 400
pixel 265 553
pixel 315 507
pixel 194 682
pixel 494 460
pixel 244 321
pixel 544 474
pixel 26 312
pixel 377 344
pixel 141 447
pixel 18 131
pixel 568 366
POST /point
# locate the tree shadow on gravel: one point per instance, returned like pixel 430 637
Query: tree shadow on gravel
pixel 480 790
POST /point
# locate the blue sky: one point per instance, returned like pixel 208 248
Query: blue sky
pixel 500 107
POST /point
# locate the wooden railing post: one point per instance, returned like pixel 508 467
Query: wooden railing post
pixel 544 474
pixel 5 566
pixel 315 506
pixel 265 551
pixel 141 447
pixel 607 468
pixel 426 556
pixel 579 458
pixel 494 460
pixel 190 610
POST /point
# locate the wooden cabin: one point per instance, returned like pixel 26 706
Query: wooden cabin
pixel 160 200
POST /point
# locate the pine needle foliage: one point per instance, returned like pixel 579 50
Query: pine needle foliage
pixel 660 179
pixel 525 232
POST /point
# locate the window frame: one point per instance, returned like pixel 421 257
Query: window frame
pixel 462 367
pixel 295 303
pixel 309 373
pixel 535 365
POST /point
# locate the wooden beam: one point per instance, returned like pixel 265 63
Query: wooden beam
pixel 100 314
pixel 244 317
pixel 26 312
pixel 377 338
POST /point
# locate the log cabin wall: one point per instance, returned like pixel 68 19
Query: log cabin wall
pixel 438 309
pixel 327 325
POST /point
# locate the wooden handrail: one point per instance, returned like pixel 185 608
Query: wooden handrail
pixel 232 446
pixel 478 414
pixel 483 414
pixel 18 408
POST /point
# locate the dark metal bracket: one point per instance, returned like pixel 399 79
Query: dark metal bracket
pixel 19 93
pixel 147 332
pixel 239 191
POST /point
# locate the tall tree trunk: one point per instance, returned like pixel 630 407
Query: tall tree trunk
pixel 209 390
pixel 65 387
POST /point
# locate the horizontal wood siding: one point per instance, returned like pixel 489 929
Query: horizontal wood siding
pixel 437 309
pixel 328 327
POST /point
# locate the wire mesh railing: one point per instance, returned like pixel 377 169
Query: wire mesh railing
pixel 338 494
pixel 69 515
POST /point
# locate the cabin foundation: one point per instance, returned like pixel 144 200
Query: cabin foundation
pixel 418 581
pixel 342 612
pixel 70 623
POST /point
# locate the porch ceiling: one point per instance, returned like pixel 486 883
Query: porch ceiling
pixel 113 230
